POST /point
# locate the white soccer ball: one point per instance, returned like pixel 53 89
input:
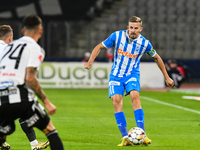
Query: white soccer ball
pixel 136 135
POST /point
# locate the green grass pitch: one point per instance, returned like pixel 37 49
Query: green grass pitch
pixel 85 121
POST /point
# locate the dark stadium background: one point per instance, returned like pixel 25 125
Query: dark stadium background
pixel 72 27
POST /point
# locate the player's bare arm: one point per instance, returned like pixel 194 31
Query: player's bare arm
pixel 161 65
pixel 35 86
pixel 94 54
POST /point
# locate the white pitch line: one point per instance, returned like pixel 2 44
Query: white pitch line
pixel 171 105
pixel 197 98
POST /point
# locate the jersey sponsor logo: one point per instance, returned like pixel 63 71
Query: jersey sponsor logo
pixel 126 54
pixel 114 83
pixel 6 84
pixel 8 92
pixel 8 74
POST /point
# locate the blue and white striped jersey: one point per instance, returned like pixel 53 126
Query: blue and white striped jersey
pixel 127 52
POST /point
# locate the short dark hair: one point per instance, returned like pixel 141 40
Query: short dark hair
pixel 135 19
pixel 5 30
pixel 31 21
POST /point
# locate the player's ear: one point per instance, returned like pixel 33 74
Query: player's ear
pixel 41 30
pixel 10 38
pixel 23 31
pixel 141 29
pixel 127 27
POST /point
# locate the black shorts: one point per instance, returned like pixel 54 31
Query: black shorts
pixel 32 113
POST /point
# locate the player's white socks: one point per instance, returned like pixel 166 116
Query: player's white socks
pixel 35 142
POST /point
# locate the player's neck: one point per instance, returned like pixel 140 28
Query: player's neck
pixel 33 36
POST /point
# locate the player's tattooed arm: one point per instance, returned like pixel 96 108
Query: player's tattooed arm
pixel 31 78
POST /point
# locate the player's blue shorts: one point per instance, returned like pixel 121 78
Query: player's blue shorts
pixel 117 85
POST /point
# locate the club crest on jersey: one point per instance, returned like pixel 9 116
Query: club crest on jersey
pixel 126 54
pixel 40 58
pixel 137 49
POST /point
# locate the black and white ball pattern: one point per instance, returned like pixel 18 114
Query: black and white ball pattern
pixel 136 135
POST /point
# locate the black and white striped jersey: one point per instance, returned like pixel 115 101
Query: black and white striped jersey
pixel 16 57
pixel 2 46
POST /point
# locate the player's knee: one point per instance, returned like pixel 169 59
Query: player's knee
pixel 49 128
pixel 117 101
pixel 117 98
pixel 134 97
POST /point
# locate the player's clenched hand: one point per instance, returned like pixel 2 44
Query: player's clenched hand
pixel 51 108
pixel 169 82
pixel 87 65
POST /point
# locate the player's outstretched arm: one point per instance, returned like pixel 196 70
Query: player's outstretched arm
pixel 95 53
pixel 31 78
pixel 161 65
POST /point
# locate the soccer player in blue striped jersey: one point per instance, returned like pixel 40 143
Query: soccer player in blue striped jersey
pixel 129 46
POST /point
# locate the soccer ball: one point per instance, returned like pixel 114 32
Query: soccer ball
pixel 136 135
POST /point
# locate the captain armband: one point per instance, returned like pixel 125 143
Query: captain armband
pixel 152 52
